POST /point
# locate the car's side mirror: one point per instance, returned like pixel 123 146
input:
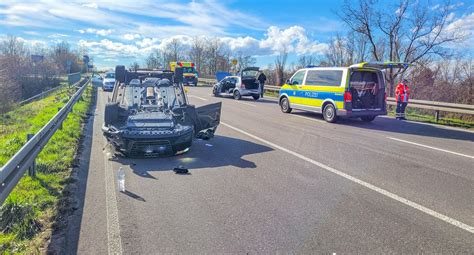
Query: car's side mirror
pixel 186 90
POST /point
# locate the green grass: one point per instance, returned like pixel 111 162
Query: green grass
pixel 27 216
pixel 417 115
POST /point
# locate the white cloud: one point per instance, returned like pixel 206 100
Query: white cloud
pixel 292 39
pixel 130 37
pixel 101 32
pixel 57 35
pixel 91 5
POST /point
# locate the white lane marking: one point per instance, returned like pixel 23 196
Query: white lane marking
pixel 240 102
pixel 386 193
pixel 431 147
pixel 193 96
pixel 114 241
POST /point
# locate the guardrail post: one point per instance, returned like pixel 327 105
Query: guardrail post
pixel 436 116
pixel 32 168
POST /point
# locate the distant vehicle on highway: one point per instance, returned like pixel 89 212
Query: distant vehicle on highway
pixel 237 86
pixel 355 91
pixel 189 72
pixel 97 80
pixel 149 115
pixel 109 81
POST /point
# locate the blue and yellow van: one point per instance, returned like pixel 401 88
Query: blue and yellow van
pixel 354 91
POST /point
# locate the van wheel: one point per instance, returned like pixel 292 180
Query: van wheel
pixel 237 95
pixel 256 97
pixel 329 113
pixel 285 105
pixel 367 118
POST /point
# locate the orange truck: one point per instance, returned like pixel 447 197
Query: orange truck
pixel 189 72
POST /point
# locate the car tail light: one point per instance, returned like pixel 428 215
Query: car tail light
pixel 192 64
pixel 347 97
pixel 180 64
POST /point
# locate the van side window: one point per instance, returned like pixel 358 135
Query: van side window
pixel 297 79
pixel 324 78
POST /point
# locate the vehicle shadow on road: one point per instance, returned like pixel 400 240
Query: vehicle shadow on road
pixel 217 152
pixel 392 125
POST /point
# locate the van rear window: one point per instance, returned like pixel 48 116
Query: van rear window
pixel 324 78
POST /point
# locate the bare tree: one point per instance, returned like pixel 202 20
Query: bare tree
pixel 407 31
pixel 154 60
pixel 134 66
pixel 280 63
pixel 244 61
pixel 197 51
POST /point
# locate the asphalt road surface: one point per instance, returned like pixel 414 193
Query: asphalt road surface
pixel 270 182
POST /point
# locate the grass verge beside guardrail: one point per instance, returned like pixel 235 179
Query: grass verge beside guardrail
pixel 415 115
pixel 27 216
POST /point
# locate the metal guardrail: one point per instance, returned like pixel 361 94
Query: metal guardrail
pixel 70 77
pixel 24 159
pixel 73 78
pixel 413 103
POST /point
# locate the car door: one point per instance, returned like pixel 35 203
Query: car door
pixel 295 92
pixel 205 119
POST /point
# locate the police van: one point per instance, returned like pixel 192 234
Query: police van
pixel 354 91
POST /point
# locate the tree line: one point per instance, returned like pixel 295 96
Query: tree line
pixel 26 71
pixel 414 32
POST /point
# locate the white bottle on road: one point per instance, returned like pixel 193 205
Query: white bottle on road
pixel 121 179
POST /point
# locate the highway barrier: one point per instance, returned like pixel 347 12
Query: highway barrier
pixel 437 107
pixel 24 159
pixel 70 77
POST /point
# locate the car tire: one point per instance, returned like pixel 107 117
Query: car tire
pixel 285 105
pixel 329 113
pixel 111 113
pixel 256 97
pixel 367 118
pixel 120 73
pixel 237 95
pixel 214 91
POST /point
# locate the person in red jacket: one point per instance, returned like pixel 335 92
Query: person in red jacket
pixel 402 92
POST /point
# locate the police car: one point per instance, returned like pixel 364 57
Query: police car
pixel 354 91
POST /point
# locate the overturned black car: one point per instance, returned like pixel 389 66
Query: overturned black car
pixel 149 115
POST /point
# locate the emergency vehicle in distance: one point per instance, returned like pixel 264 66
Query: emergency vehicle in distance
pixel 355 91
pixel 189 72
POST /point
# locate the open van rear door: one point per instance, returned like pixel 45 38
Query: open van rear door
pixel 381 65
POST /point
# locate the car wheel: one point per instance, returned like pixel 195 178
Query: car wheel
pixel 329 113
pixel 256 97
pixel 214 92
pixel 285 105
pixel 367 118
pixel 120 73
pixel 237 95
pixel 111 113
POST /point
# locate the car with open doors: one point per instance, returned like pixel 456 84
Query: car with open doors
pixel 237 86
pixel 149 115
pixel 354 91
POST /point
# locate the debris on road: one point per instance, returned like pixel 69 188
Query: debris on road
pixel 181 170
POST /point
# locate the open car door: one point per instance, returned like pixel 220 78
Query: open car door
pixel 206 119
pixel 381 65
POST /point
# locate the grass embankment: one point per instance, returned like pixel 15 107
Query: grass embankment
pixel 27 216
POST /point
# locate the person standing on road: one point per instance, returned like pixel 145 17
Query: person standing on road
pixel 261 79
pixel 402 92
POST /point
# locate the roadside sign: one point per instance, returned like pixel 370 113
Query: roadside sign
pixel 234 62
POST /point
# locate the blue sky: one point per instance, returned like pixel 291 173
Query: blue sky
pixel 120 32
